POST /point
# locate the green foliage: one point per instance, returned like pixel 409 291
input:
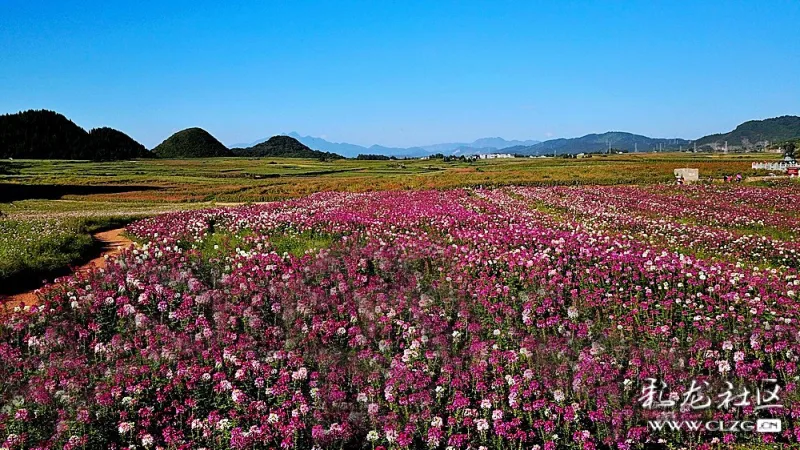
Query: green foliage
pixel 191 143
pixel 362 157
pixel 284 147
pixel 298 243
pixel 48 135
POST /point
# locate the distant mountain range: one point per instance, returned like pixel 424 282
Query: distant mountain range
pixel 589 143
pixel 610 141
pixel 47 134
pixel 483 145
pixel 751 134
pixel 755 133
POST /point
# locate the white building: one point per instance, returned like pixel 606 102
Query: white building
pixel 496 156
pixel 780 166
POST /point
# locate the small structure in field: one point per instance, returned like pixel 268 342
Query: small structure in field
pixel 688 175
pixel 780 166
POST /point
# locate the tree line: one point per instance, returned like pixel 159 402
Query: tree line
pixel 43 134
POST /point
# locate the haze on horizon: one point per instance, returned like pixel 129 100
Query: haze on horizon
pixel 402 74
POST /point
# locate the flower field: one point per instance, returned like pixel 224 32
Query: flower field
pixel 508 318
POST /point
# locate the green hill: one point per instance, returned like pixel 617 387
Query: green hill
pixel 108 143
pixel 756 133
pixel 617 140
pixel 191 143
pixel 43 134
pixel 283 147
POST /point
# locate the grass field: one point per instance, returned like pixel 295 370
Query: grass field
pixel 35 249
pixel 251 180
pixel 48 208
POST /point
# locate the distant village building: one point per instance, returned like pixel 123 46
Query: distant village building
pixel 495 155
pixel 581 155
pixel 780 166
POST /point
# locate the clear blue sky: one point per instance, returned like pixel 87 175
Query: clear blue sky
pixel 403 72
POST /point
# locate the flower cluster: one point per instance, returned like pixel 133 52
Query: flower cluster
pixel 460 319
pixel 642 215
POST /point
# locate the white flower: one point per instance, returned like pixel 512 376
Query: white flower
pixel 482 424
pixel 558 395
pixel 147 440
pixel 125 427
pixel 497 414
pixel 373 436
pixel 237 396
pixel 436 422
pixel 223 424
pixel 572 312
pixel 300 374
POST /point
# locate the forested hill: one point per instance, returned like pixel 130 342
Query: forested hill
pixel 43 134
pixel 612 140
pixel 191 143
pixel 750 133
pixel 283 147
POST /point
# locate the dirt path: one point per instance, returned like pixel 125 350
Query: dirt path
pixel 113 243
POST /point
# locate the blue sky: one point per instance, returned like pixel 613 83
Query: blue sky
pixel 402 73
